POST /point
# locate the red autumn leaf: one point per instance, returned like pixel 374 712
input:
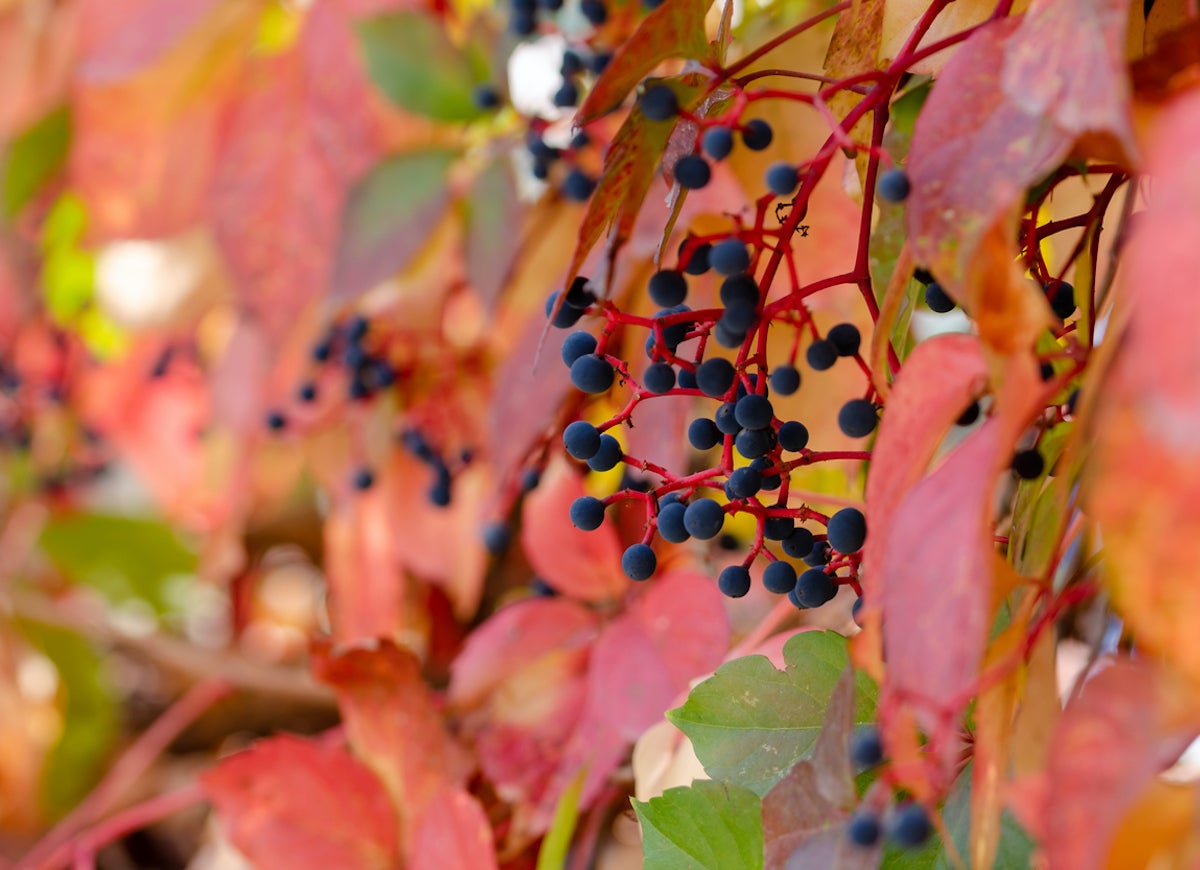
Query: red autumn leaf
pixel 674 29
pixel 391 722
pixel 1006 109
pixel 1142 482
pixel 119 39
pixel 1110 745
pixel 817 794
pixel 584 565
pixel 292 803
pixel 276 212
pixel 454 834
pixel 683 614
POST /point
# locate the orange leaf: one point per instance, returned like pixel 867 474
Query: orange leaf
pixel 288 802
pixel 1142 483
pixel 37 46
pixel 674 29
pixel 584 565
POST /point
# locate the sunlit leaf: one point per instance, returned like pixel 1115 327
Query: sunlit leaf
pixel 711 825
pixel 33 158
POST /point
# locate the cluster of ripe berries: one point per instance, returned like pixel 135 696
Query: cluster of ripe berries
pixel 907 824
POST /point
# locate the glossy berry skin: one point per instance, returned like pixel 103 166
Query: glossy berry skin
pixel 608 456
pixel 910 826
pixel 659 103
pixel 703 519
pixel 847 530
pixel 782 179
pixel 937 299
pixel 717 142
pixel 793 436
pixel 639 562
pixel 591 374
pixel 858 418
pixel 757 134
pixel 703 434
pixel 863 829
pixel 577 344
pixel 799 543
pixel 714 377
pixel 814 587
pixel 753 412
pixel 821 355
pixel 692 172
pixel 496 538
pixel 845 338
pixel 729 257
pixel 587 513
pixel 670 522
pixel 734 581
pixel 785 379
pixel 893 186
pixel 779 577
pixel 667 287
pixel 581 440
pixel 866 748
pixel 1028 464
pixel 658 378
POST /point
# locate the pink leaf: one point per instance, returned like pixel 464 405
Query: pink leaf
pixel 454 834
pixel 120 38
pixel 295 804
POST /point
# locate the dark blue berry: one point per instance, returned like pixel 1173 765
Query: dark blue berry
pixel 670 522
pixel 364 479
pixel 937 299
pixel 592 374
pixel 778 528
pixel 566 96
pixel 847 530
pixel 659 103
pixel 577 344
pixel 725 419
pixel 739 290
pixel 729 257
pixel 307 392
pixel 782 179
pixel 692 172
pixel 734 581
pixel 821 355
pixel 757 134
pixel 754 412
pixel 969 416
pixel 858 418
pixel 785 379
pixel 1028 464
pixel 496 538
pixel 579 294
pixel 814 587
pixel 703 519
pixel 845 339
pixel 568 315
pixel 594 11
pixel 668 287
pixel 703 434
pixel 599 61
pixel 893 186
pixel 715 376
pixel 639 562
pixel 578 185
pixel 866 748
pixel 587 513
pixel 717 142
pixel 697 258
pixel 523 23
pixel 572 64
pixel 779 577
pixel 863 829
pixel 739 319
pixel 1062 298
pixel 819 555
pixel 276 421
pixel 608 456
pixel 439 493
pixel 799 543
pixel 687 379
pixel 581 439
pixel 744 483
pixel 753 443
pixel 910 826
pixel 659 377
pixel 530 480
pixel 485 97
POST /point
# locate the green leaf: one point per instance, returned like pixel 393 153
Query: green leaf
pixel 1015 848
pixel 557 843
pixel 388 218
pixel 90 720
pixel 493 211
pixel 750 722
pixel 710 825
pixel 415 64
pixel 33 158
pixel 1040 510
pixel 122 558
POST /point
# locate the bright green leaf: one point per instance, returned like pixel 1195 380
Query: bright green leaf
pixel 413 61
pixel 557 843
pixel 122 558
pixel 33 158
pixel 388 218
pixel 750 722
pixel 711 825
